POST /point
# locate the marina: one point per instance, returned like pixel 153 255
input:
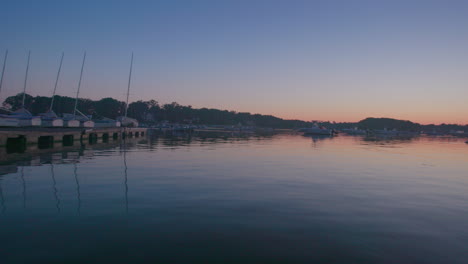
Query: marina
pixel 295 132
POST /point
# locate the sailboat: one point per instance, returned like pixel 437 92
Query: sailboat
pixel 125 120
pixel 6 121
pixel 50 118
pixel 23 116
pixel 72 120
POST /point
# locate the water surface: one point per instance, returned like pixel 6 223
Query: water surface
pixel 203 199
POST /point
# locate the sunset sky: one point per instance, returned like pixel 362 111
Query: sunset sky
pixel 310 60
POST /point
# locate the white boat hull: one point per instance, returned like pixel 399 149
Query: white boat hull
pixel 34 121
pixel 106 124
pixel 127 121
pixel 88 123
pixel 9 122
pixel 52 122
pixel 72 123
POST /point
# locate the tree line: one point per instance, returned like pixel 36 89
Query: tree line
pixel 373 123
pixel 149 112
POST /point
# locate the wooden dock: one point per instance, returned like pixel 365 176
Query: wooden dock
pixel 18 138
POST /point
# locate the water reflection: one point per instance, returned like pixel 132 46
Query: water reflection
pixel 317 138
pixel 78 193
pixel 348 199
pixel 75 155
pixel 2 200
pixel 24 187
pixel 125 174
pixel 388 139
pixel 54 186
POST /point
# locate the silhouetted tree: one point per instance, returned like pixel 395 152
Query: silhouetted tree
pixel 109 107
pixel 138 110
pixel 15 102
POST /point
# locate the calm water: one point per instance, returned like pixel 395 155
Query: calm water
pixel 279 199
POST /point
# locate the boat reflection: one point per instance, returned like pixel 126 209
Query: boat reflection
pixel 318 138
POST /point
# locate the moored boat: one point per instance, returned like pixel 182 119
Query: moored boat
pixel 317 130
pixel 25 118
pixel 50 118
pixel 20 117
pixel 87 123
pixel 71 123
pixel 354 131
pixel 8 122
pixel 106 122
pixel 78 119
pixel 127 121
pixel 52 122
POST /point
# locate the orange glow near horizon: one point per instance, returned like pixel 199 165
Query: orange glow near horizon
pixel 433 117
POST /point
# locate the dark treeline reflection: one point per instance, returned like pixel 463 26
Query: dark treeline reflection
pixel 201 137
pixel 9 162
pixel 367 140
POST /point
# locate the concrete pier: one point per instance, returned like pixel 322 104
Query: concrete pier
pixel 46 137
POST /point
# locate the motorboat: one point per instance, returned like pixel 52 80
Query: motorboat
pixel 317 130
pixel 127 121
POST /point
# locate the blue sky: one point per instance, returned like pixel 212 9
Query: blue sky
pixel 325 60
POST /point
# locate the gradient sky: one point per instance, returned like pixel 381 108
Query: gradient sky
pixel 311 60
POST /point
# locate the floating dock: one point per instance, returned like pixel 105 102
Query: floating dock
pixel 19 138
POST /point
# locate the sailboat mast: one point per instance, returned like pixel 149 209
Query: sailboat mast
pixel 128 88
pixel 26 79
pixel 3 69
pixel 56 82
pixel 79 84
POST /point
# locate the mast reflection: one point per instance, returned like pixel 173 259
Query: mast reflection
pixel 2 200
pixel 78 193
pixel 125 174
pixel 54 186
pixel 24 187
